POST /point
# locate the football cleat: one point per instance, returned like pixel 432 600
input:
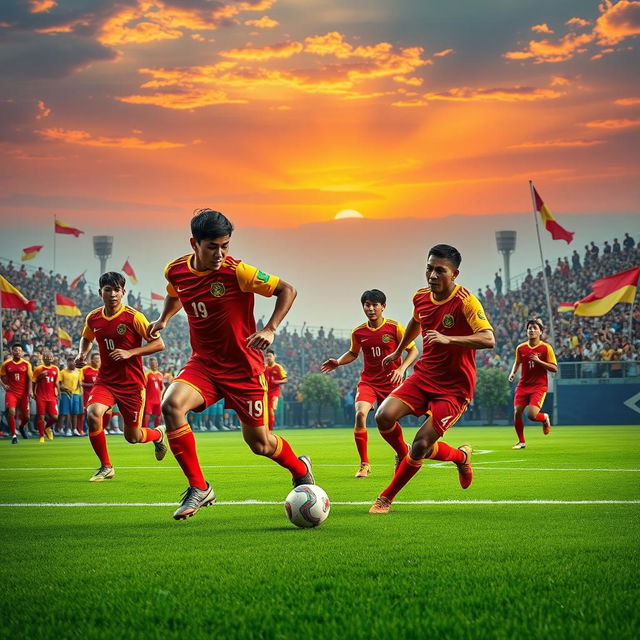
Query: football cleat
pixel 546 426
pixel 465 473
pixel 307 478
pixel 519 445
pixel 364 470
pixel 103 473
pixel 14 439
pixel 41 440
pixel 194 499
pixel 23 431
pixel 48 433
pixel 161 445
pixel 381 505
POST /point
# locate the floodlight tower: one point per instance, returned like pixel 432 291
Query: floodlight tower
pixel 506 242
pixel 102 246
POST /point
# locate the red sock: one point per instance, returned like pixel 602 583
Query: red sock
pixel 272 420
pixel 51 420
pixel 443 452
pixel 395 438
pixel 285 457
pixel 150 435
pixel 183 447
pixel 518 423
pixel 24 421
pixel 541 417
pixel 106 420
pixel 40 423
pixel 406 470
pixel 146 420
pixel 99 443
pixel 12 424
pixel 361 438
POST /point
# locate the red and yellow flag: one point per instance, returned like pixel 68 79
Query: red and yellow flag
pixel 565 307
pixel 128 269
pixel 66 229
pixel 12 298
pixel 557 232
pixel 64 338
pixel 608 292
pixel 74 282
pixel 156 296
pixel 66 306
pixel 31 252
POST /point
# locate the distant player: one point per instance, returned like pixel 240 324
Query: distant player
pixel 154 388
pixel 70 403
pixel 276 376
pixel 46 389
pixel 16 375
pixel 535 358
pixel 376 338
pixel 119 331
pixel 88 376
pixel 453 326
pixel 217 294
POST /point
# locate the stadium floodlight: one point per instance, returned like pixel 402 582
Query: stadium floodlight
pixel 506 243
pixel 102 246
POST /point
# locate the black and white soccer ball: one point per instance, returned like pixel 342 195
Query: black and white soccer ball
pixel 307 506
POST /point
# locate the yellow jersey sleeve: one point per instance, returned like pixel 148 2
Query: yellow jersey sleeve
pixel 87 332
pixel 252 280
pixel 551 356
pixel 36 372
pixel 355 343
pixel 141 325
pixel 283 373
pixel 171 290
pixel 475 315
pixel 401 335
pixel 29 370
pixel 3 370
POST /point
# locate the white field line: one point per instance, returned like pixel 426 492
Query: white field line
pixel 234 503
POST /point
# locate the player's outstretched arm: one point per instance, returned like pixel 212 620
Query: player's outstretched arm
pixel 480 340
pixel 285 295
pixel 332 363
pixel 514 368
pixel 83 351
pixel 410 334
pixel 170 308
pixel 155 345
pixel 397 376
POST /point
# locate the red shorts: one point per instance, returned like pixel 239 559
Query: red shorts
pixel 130 402
pixel 46 407
pixel 272 399
pixel 444 411
pixel 529 397
pixel 153 408
pixel 246 396
pixel 371 393
pixel 21 402
pixel 85 398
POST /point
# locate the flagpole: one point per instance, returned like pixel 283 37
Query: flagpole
pixel 552 332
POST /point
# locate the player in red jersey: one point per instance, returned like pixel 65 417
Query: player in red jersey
pixel 88 376
pixel 453 326
pixel 154 388
pixel 16 375
pixel 46 389
pixel 535 358
pixel 276 376
pixel 376 338
pixel 217 293
pixel 119 331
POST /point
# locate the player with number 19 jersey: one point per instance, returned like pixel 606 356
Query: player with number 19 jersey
pixel 219 306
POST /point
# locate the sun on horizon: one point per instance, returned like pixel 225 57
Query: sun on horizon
pixel 347 213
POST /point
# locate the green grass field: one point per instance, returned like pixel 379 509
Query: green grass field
pixel 453 568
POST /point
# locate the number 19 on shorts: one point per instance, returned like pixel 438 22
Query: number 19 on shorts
pixel 255 408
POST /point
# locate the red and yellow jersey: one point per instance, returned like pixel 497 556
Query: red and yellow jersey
pixel 88 376
pixel 17 375
pixel 154 386
pixel 448 369
pixel 45 387
pixel 219 307
pixel 376 344
pixel 533 375
pixel 272 373
pixel 124 330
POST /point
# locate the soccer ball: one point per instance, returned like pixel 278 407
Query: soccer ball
pixel 307 506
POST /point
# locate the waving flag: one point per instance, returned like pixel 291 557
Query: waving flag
pixel 608 292
pixel 31 252
pixel 12 298
pixel 557 232
pixel 64 338
pixel 74 282
pixel 156 296
pixel 66 229
pixel 565 307
pixel 66 306
pixel 128 269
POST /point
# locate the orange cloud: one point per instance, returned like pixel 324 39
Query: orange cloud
pixel 622 123
pixel 617 21
pixel 280 50
pixel 577 22
pixel 74 136
pixel 544 144
pixel 627 102
pixel 443 53
pixel 553 50
pixel 263 23
pixel 43 110
pixel 500 94
pixel 41 6
pixel 541 28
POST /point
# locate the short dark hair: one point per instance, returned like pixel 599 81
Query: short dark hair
pixel 447 252
pixel 373 295
pixel 537 322
pixel 112 279
pixel 207 223
pixel 17 344
pixel 271 351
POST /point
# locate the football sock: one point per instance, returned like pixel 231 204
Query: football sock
pixel 272 420
pixel 395 438
pixel 12 424
pixel 51 420
pixel 40 424
pixel 150 435
pixel 541 417
pixel 285 457
pixel 361 437
pixel 24 421
pixel 106 420
pixel 99 444
pixel 518 423
pixel 406 470
pixel 183 447
pixel 442 451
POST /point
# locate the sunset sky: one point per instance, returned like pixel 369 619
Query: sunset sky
pixel 127 114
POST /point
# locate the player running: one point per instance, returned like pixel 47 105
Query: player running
pixel 535 358
pixel 276 376
pixel 88 376
pixel 453 326
pixel 46 389
pixel 154 387
pixel 16 375
pixel 217 293
pixel 119 331
pixel 376 338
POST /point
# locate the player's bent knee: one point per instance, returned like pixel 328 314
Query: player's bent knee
pixel 384 419
pixel 260 448
pixel 420 449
